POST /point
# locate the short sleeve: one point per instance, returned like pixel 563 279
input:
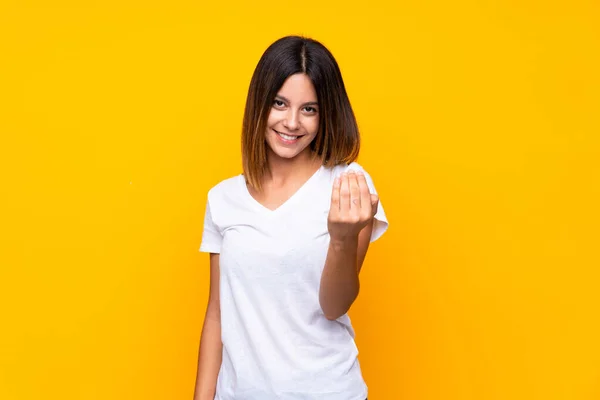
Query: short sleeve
pixel 380 224
pixel 211 236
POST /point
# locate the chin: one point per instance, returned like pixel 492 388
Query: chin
pixel 284 153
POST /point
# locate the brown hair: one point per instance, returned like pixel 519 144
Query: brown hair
pixel 337 140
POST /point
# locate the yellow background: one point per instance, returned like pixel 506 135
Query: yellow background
pixel 480 125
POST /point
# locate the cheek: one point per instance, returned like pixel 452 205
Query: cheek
pixel 272 119
pixel 275 116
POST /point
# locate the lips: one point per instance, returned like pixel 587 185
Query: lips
pixel 286 137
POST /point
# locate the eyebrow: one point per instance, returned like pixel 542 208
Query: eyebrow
pixel 310 103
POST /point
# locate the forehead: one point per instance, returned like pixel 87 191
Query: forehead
pixel 298 87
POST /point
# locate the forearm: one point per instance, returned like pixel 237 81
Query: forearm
pixel 339 281
pixel 209 358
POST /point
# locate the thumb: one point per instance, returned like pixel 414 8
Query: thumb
pixel 374 203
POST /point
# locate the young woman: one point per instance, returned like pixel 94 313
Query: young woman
pixel 287 239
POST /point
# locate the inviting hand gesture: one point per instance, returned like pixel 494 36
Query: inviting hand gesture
pixel 352 206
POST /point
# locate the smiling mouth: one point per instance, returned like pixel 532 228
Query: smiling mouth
pixel 287 137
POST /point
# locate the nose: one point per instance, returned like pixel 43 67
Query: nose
pixel 291 120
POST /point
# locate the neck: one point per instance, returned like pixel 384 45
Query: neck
pixel 284 169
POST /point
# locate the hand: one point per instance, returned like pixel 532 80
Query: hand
pixel 352 206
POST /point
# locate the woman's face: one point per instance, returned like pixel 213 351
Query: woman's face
pixel 294 118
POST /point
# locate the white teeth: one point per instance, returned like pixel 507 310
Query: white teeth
pixel 287 137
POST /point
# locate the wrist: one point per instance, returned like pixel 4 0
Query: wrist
pixel 340 243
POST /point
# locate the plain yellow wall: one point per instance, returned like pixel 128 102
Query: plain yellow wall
pixel 480 125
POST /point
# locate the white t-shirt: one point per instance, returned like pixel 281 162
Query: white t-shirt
pixel 277 343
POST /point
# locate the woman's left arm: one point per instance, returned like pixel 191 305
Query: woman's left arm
pixel 350 224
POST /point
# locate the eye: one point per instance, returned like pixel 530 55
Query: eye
pixel 310 109
pixel 278 103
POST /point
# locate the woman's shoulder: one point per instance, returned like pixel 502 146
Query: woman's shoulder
pixel 354 166
pixel 345 167
pixel 226 187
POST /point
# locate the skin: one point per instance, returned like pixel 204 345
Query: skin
pixel 211 347
pixel 294 112
pixel 350 221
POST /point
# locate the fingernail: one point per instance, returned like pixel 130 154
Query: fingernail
pixel 360 173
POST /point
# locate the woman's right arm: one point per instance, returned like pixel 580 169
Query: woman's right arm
pixel 210 352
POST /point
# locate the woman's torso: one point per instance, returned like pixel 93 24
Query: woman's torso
pixel 277 343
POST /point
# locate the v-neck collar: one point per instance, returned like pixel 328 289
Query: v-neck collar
pixel 259 206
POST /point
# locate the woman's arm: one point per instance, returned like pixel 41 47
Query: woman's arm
pixel 350 224
pixel 211 347
pixel 339 282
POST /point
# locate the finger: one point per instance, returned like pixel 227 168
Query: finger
pixel 374 203
pixel 354 191
pixel 345 193
pixel 365 199
pixel 335 194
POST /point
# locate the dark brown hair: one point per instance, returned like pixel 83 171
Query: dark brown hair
pixel 337 140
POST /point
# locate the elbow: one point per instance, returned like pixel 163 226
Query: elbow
pixel 333 314
pixel 332 317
